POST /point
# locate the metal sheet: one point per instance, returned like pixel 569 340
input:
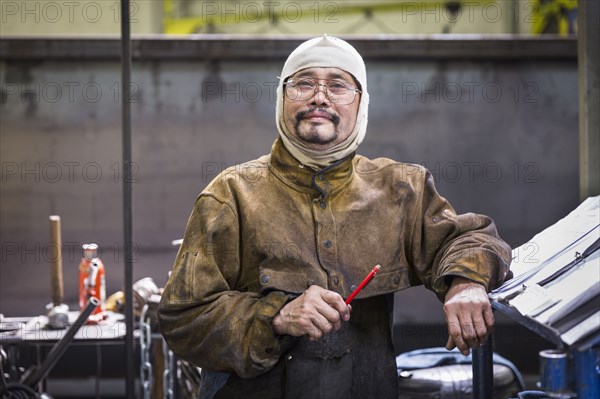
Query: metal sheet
pixel 230 47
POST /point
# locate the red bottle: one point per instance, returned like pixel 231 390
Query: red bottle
pixel 92 282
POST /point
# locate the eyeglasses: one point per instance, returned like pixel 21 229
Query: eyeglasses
pixel 337 91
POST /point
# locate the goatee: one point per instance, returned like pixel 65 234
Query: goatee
pixel 314 136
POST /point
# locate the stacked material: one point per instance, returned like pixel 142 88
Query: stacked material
pixel 556 286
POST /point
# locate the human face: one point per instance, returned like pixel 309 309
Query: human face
pixel 317 122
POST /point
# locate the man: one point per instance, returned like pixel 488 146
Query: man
pixel 256 296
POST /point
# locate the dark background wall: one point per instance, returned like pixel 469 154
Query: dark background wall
pixel 494 120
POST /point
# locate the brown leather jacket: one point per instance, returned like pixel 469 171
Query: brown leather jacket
pixel 270 228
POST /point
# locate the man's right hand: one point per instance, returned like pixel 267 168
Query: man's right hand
pixel 317 312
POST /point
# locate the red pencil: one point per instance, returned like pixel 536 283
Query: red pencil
pixel 364 283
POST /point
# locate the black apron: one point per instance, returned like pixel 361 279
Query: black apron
pixel 355 362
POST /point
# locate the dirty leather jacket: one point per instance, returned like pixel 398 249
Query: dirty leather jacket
pixel 264 231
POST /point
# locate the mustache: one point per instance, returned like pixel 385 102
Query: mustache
pixel 335 119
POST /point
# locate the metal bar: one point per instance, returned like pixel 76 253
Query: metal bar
pixel 483 371
pixel 127 195
pixel 540 329
pixel 589 98
pixel 59 348
pixel 517 48
pixel 174 380
pixel 98 370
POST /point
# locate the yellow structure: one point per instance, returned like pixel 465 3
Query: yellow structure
pixel 424 16
pixel 555 16
pixel 306 17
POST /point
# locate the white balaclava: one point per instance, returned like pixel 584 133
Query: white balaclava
pixel 325 52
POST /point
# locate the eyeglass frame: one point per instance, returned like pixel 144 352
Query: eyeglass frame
pixel 354 89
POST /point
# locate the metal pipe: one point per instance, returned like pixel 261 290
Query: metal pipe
pixel 554 371
pixel 483 370
pixel 587 373
pixel 127 194
pixel 33 378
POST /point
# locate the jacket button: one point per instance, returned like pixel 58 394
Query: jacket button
pixel 322 204
pixel 353 287
pixel 327 244
pixel 264 279
pixel 396 279
pixel 310 282
pixel 336 280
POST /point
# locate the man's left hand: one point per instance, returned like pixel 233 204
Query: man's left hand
pixel 468 314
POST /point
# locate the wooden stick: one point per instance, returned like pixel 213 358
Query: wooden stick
pixel 56 275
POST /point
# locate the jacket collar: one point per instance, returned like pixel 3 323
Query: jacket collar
pixel 302 178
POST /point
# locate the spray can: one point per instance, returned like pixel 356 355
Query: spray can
pixel 92 282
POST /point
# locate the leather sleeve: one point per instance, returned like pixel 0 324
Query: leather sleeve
pixel 446 244
pixel 202 317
